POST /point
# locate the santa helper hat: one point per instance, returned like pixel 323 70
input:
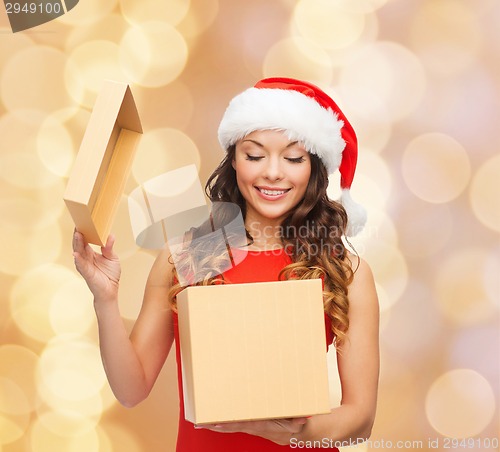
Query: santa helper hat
pixel 306 114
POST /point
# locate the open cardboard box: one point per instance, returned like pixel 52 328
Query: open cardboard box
pixel 103 162
pixel 253 351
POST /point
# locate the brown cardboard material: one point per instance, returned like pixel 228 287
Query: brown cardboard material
pixel 253 351
pixel 103 162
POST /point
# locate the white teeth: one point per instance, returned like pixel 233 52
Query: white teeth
pixel 272 192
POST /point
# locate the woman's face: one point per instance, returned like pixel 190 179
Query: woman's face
pixel 272 173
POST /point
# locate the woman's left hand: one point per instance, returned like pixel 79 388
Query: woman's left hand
pixel 279 431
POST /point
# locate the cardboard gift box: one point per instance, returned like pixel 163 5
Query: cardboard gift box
pixel 253 351
pixel 103 162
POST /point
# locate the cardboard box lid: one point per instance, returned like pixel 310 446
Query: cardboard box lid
pixel 253 351
pixel 103 162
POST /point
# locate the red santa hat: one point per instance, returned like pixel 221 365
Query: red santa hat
pixel 306 114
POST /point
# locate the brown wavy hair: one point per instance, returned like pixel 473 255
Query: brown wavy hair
pixel 311 235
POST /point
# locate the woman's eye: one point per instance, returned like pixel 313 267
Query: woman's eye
pixel 295 159
pixel 254 158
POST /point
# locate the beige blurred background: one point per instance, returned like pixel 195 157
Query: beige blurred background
pixel 418 79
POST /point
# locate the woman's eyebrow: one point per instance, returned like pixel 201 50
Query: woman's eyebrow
pixel 289 145
pixel 253 141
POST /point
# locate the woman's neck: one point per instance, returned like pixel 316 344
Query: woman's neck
pixel 266 233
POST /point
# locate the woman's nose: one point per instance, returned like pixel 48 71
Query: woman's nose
pixel 273 169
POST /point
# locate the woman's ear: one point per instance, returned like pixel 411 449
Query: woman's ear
pixel 233 163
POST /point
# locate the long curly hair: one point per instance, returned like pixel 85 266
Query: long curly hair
pixel 311 235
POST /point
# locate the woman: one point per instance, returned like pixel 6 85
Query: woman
pixel 282 138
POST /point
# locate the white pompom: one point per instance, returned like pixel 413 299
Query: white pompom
pixel 356 214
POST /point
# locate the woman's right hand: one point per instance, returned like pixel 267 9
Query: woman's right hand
pixel 100 271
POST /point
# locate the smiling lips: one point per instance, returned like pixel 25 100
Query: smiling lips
pixel 272 194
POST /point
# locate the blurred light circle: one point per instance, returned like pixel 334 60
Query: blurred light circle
pixel 490 276
pixel 107 398
pixel 385 302
pixel 18 364
pixel 14 411
pixel 464 351
pixel 397 378
pixel 90 407
pixel 172 104
pixel 162 150
pixel 446 35
pixel 96 61
pixel 460 403
pixel 23 249
pixel 359 6
pixel 25 170
pixel 105 444
pixel 27 214
pixel 71 309
pixel 55 147
pixel 460 288
pixel 171 12
pixel 153 54
pixel 12 44
pixel 121 437
pixel 199 18
pixel 10 430
pixel 299 58
pixel 88 66
pixel 424 229
pixel 12 398
pixel 43 439
pixel 389 267
pixel 71 368
pixel 436 167
pixel 108 28
pixel 67 423
pixel 32 295
pixel 484 193
pixel 21 90
pixel 344 55
pixel 327 25
pixel 392 87
pixel 374 135
pixel 385 305
pixel 375 184
pixel 445 108
pixel 20 164
pixel 403 336
pixel 135 271
pixel 379 227
pixel 88 12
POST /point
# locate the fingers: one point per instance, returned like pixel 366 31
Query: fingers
pixel 78 242
pixel 299 420
pixel 107 249
pixel 296 425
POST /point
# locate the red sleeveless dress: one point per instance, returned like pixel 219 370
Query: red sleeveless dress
pixel 258 266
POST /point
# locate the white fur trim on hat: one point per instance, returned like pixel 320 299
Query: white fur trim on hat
pixel 298 115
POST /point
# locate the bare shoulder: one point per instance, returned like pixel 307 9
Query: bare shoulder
pixel 362 287
pixel 161 271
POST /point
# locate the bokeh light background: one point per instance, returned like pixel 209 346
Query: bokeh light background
pixel 419 79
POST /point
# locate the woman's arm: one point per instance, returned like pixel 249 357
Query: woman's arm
pixel 133 363
pixel 358 365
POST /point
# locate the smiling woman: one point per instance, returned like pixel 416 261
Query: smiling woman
pixel 282 139
pixel 272 174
